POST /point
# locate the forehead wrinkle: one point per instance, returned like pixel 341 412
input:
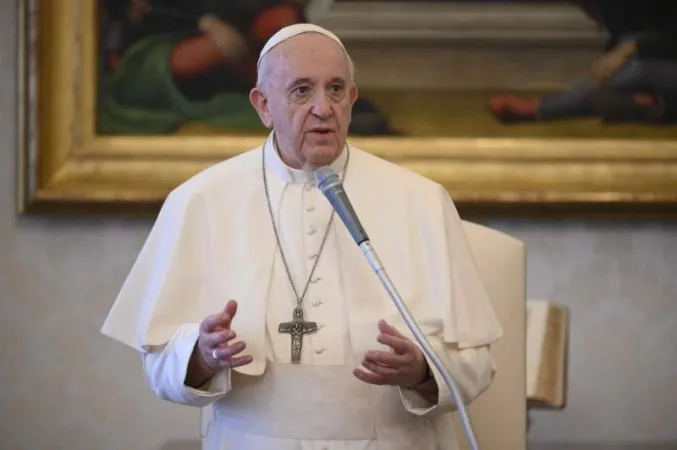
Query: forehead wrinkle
pixel 277 59
pixel 313 44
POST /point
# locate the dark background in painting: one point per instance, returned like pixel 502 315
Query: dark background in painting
pixel 186 66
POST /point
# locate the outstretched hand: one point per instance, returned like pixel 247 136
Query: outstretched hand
pixel 214 343
pixel 404 366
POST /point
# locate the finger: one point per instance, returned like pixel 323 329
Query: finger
pixel 220 338
pixel 388 359
pixel 224 353
pixel 386 328
pixel 238 361
pixel 230 310
pixel 370 378
pixel 384 371
pixel 398 344
pixel 212 323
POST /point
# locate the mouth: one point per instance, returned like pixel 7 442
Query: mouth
pixel 321 130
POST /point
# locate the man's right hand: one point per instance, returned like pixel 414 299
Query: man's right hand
pixel 226 37
pixel 214 350
pixel 214 341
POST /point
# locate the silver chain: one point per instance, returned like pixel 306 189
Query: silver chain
pixel 299 299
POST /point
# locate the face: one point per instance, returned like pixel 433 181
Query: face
pixel 307 100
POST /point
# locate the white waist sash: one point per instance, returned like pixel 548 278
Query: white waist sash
pixel 299 402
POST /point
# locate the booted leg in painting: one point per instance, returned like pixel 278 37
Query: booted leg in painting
pixel 634 80
pixel 615 107
pixel 634 93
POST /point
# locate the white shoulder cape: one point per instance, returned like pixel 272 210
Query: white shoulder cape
pixel 212 242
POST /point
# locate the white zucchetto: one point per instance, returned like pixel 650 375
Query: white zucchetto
pixel 294 30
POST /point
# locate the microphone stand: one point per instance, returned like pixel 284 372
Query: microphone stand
pixel 380 271
pixel 328 182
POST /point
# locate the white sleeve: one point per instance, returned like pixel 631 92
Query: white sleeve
pixel 472 369
pixel 165 371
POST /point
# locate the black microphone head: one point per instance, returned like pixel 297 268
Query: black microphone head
pixel 326 178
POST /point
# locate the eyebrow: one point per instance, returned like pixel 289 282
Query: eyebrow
pixel 299 81
pixel 306 80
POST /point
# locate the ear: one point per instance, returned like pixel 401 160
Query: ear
pixel 260 103
pixel 353 94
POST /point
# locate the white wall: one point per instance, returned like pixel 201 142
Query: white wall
pixel 65 386
pixel 620 283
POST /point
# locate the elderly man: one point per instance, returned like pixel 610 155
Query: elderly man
pixel 244 247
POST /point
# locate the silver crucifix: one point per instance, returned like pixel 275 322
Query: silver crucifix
pixel 297 328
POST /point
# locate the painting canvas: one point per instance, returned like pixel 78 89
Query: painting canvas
pixel 178 66
pixel 510 104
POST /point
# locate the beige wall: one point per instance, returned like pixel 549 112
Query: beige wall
pixel 65 386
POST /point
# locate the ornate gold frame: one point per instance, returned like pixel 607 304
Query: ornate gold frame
pixel 65 167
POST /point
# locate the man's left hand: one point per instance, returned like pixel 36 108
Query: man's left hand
pixel 405 365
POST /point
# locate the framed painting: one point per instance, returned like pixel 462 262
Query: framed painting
pixel 515 106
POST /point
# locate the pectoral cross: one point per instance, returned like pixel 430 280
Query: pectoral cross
pixel 297 328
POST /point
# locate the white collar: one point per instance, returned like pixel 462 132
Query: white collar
pixel 288 174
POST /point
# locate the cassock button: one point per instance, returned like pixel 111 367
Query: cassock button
pixel 309 186
pixel 312 231
pixel 315 280
pixel 310 209
pixel 319 351
pixel 311 257
pixel 317 303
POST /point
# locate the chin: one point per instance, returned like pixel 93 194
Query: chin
pixel 322 156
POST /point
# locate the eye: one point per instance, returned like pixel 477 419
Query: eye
pixel 336 89
pixel 301 91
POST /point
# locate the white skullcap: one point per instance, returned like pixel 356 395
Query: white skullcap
pixel 294 30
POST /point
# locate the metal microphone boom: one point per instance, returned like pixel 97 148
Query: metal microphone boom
pixel 329 183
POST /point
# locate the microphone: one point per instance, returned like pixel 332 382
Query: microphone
pixel 330 185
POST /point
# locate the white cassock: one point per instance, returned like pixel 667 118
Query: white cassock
pixel 213 241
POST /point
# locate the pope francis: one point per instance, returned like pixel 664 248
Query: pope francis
pixel 249 296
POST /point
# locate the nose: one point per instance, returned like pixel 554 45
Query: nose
pixel 321 106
